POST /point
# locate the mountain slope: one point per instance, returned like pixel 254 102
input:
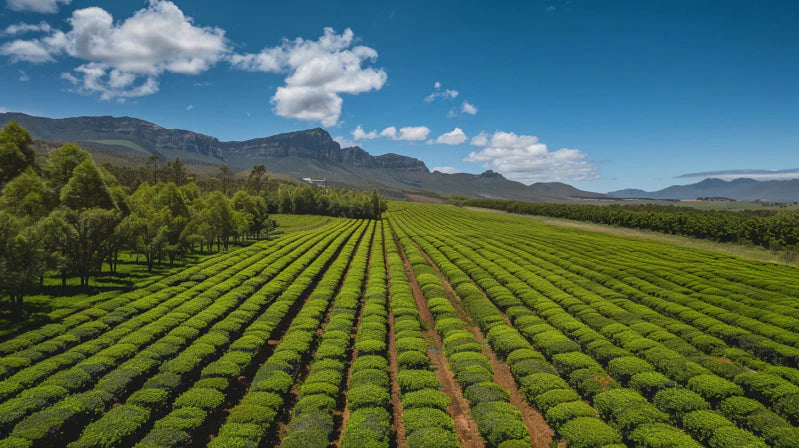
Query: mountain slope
pixel 742 189
pixel 308 153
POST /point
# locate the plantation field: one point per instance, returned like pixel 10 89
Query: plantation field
pixel 436 326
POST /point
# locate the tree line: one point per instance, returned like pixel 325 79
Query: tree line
pixel 774 230
pixel 66 214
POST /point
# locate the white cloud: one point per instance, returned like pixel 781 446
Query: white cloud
pixel 3 110
pixel 550 8
pixel 525 159
pixel 453 137
pixel 42 6
pixel 446 169
pixel 23 76
pixel 413 133
pixel 190 107
pixel 317 73
pixel 446 94
pixel 390 132
pixel 126 58
pixel 21 28
pixel 360 134
pixel 470 109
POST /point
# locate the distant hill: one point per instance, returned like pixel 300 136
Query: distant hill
pixel 308 153
pixel 742 189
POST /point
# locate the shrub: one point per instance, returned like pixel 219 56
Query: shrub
pixel 660 435
pixel 206 399
pixel 701 424
pixel 426 398
pixel 368 424
pixel 473 375
pixel 410 380
pixel 564 412
pixel 499 421
pixel 113 427
pixel 538 383
pixel 419 418
pixel 650 383
pixel 714 388
pixel 624 368
pixel 370 347
pixel 485 392
pixel 588 432
pixel 368 362
pixel 677 402
pixel 370 395
pixel 369 376
pixel 433 437
pixel 555 397
pixel 314 403
pixel 732 437
pixel 413 360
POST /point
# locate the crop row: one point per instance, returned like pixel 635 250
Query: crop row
pixel 625 366
pixel 250 421
pixel 141 329
pixel 103 379
pixel 419 386
pixel 312 419
pixel 499 422
pixel 565 411
pixel 368 422
pixel 633 421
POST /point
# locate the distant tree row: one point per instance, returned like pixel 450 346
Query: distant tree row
pixel 67 214
pixel 775 230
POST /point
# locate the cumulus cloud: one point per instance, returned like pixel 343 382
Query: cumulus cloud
pixel 453 137
pixel 467 108
pixel 390 132
pixel 360 134
pixel 446 94
pixel 22 28
pixel 446 169
pixel 318 72
pixel 525 159
pixel 413 133
pixel 23 76
pixel 42 6
pixel 190 107
pixel 126 58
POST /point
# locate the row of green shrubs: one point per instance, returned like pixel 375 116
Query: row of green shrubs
pixel 368 392
pixel 632 417
pixel 424 406
pixel 666 351
pixel 311 423
pixel 498 422
pixel 573 420
pixel 86 390
pixel 198 377
pixel 675 401
pixel 769 335
pixel 50 339
pixel 250 421
pixel 34 355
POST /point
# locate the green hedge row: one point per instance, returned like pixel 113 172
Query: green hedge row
pixel 101 380
pixel 311 423
pixel 497 420
pixel 256 308
pixel 368 392
pixel 251 420
pixel 419 387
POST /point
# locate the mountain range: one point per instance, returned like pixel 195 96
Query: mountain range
pixel 741 189
pixel 308 153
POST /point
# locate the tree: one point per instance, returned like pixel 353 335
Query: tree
pixel 218 219
pixel 376 206
pixel 62 162
pixel 152 164
pixel 284 201
pixel 256 177
pixel 176 172
pixel 254 210
pixel 224 174
pixel 23 259
pixel 16 152
pixel 79 237
pixel 25 195
pixel 86 188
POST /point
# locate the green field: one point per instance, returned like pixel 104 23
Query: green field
pixel 436 326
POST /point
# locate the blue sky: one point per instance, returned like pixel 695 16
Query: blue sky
pixel 602 95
